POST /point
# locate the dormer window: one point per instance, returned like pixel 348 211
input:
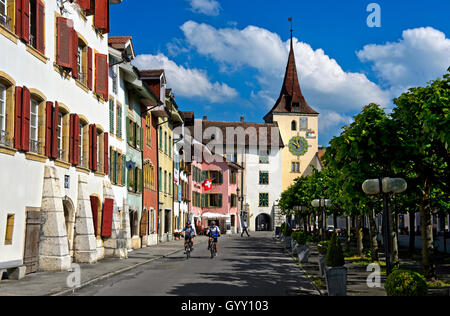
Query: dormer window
pixel 296 107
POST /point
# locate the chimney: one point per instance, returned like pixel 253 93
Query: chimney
pixel 205 118
pixel 242 119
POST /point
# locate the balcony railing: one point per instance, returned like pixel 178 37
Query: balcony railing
pixel 5 140
pixel 6 21
pixel 35 147
pixel 61 154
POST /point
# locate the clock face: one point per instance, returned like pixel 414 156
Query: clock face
pixel 298 146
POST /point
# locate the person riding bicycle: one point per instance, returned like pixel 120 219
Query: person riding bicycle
pixel 189 234
pixel 214 233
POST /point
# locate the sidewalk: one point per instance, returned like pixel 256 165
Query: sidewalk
pixel 51 283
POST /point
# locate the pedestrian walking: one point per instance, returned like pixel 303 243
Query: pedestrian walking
pixel 244 229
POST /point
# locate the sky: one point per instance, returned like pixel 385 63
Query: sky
pixel 227 58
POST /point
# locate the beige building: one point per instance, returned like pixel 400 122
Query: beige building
pixel 298 124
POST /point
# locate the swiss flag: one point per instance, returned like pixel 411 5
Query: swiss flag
pixel 207 184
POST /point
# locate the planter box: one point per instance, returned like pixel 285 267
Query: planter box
pixel 336 278
pixel 294 247
pixel 287 241
pixel 303 253
pixel 322 265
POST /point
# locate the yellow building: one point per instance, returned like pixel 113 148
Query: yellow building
pixel 298 124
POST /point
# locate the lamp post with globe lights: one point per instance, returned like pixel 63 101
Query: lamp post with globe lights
pixel 321 204
pixel 385 186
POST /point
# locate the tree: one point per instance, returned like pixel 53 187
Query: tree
pixel 422 118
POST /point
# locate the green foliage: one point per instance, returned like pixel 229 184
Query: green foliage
pixel 286 230
pixel 406 283
pixel 322 247
pixel 335 255
pixel 300 237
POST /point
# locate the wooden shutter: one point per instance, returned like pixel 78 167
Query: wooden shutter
pixel 74 54
pixel 19 18
pixel 219 200
pixel 90 64
pixel 144 224
pixel 76 141
pixel 18 120
pixel 124 170
pixel 119 121
pixel 40 26
pixel 26 103
pixel 48 129
pixel 94 208
pixel 101 17
pixel 71 137
pixel 84 4
pixel 64 43
pixel 93 147
pixel 101 75
pixel 107 218
pixel 111 117
pixel 55 130
pixel 137 132
pixel 106 151
pixel 25 34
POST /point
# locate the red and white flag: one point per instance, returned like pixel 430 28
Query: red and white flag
pixel 207 185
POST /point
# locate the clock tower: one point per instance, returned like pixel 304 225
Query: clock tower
pixel 298 124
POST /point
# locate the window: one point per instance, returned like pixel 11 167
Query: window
pixel 263 199
pixel 100 152
pixel 303 123
pixel 2 113
pixel 170 146
pixel 233 177
pixel 263 177
pixel 165 181
pixel 148 132
pixel 233 200
pixel 9 229
pixel 165 142
pixel 59 141
pixel 295 167
pixel 34 126
pixel 119 121
pixel 160 138
pixel 170 183
pixel 213 200
pixel 294 125
pixel 160 180
pixel 111 117
pixel 3 13
pixel 263 157
pixel 36 25
pixel 216 176
pixel 83 145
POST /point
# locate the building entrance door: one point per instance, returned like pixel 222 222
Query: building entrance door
pixel 32 238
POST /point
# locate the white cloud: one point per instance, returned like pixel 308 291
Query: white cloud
pixel 207 7
pixel 189 83
pixel 324 83
pixel 421 55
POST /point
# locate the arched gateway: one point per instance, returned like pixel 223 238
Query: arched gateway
pixel 263 223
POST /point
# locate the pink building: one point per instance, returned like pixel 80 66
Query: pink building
pixel 219 204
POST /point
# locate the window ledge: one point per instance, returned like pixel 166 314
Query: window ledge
pixel 7 150
pixel 35 157
pixel 63 73
pixel 62 164
pixel 98 97
pixel 100 174
pixel 82 86
pixel 9 34
pixel 83 170
pixel 33 51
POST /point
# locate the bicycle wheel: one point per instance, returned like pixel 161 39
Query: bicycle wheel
pixel 213 252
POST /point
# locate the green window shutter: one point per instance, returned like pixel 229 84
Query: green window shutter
pixel 111 161
pixel 138 136
pixel 170 146
pixel 204 175
pixel 124 170
pixel 116 167
pixel 142 139
pixel 111 117
pixel 128 130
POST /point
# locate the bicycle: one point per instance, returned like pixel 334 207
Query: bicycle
pixel 212 248
pixel 188 249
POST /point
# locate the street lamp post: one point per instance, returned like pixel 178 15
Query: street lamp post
pixel 384 186
pixel 321 204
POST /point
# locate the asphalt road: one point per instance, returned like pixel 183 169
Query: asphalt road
pixel 255 266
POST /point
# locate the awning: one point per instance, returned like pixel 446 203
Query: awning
pixel 215 216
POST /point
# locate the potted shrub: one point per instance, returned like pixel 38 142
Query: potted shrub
pixel 336 273
pixel 406 283
pixel 287 236
pixel 302 248
pixel 322 248
pixel 294 243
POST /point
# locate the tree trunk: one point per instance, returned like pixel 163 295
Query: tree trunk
pixel 305 223
pixel 321 225
pixel 373 237
pixel 429 268
pixel 412 233
pixel 349 227
pixel 325 226
pixel 394 238
pixel 359 236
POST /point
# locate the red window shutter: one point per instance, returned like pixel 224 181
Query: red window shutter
pixel 64 42
pixel 55 131
pixel 26 103
pixel 91 9
pixel 75 55
pixel 40 26
pixel 71 137
pixel 48 129
pixel 89 74
pixel 101 75
pixel 107 218
pixel 19 18
pixel 93 148
pixel 26 20
pixel 94 207
pixel 106 78
pixel 106 153
pixel 18 120
pixel 101 15
pixel 76 143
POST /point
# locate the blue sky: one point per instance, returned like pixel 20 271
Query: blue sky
pixel 226 58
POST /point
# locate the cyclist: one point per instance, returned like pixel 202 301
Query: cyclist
pixel 214 234
pixel 189 234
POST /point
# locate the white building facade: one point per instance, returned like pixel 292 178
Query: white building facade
pixel 54 134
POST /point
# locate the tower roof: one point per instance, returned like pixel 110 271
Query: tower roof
pixel 291 99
